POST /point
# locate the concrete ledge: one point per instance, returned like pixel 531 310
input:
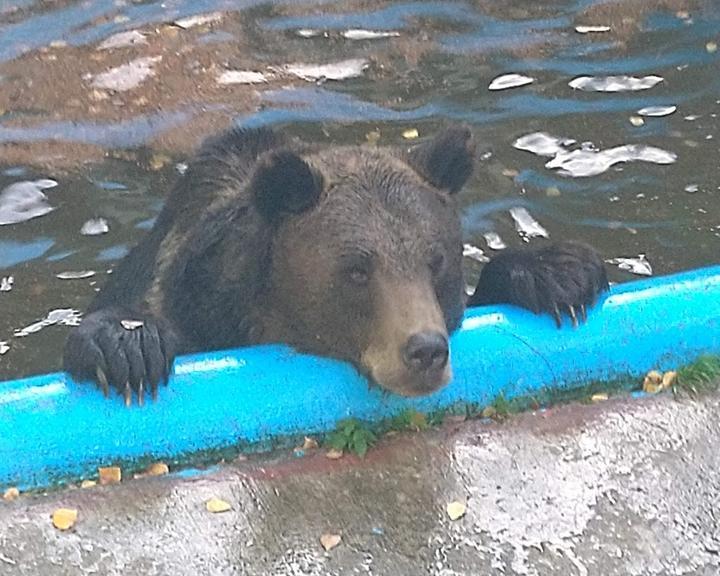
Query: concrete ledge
pixel 53 429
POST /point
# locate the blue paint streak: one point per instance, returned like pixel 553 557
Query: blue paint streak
pixel 50 427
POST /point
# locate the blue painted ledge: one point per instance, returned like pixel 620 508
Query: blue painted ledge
pixel 51 428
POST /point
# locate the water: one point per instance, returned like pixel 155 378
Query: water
pixel 628 158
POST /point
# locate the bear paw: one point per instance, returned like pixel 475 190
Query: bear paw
pixel 562 278
pixel 118 348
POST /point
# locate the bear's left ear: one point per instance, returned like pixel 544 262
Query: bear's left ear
pixel 446 161
pixel 283 184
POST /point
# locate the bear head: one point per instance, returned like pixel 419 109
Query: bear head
pixel 365 256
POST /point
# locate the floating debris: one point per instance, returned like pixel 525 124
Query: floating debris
pixel 216 506
pixel 342 70
pixel 329 541
pixel 591 29
pixel 614 83
pixel 526 225
pixel 79 275
pixel 639 265
pixel 636 121
pixel 410 134
pixel 131 324
pixel 95 227
pixel 242 77
pixel 590 162
pixel 6 283
pixel 127 76
pixel 123 39
pixel 198 20
pixel 692 188
pixel 181 168
pixel 542 144
pixel 510 81
pixel 474 253
pixel 359 34
pixel 64 518
pixel 494 241
pixel 455 510
pixel 25 200
pixel 63 316
pixel 711 47
pixel 657 110
pixel 4 347
pixel 308 33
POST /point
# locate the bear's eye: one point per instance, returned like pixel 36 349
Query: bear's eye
pixel 357 270
pixel 437 263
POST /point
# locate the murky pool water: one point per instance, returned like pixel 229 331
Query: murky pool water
pixel 608 132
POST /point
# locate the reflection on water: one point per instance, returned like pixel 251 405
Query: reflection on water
pixel 595 119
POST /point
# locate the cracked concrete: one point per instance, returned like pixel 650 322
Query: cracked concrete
pixel 625 487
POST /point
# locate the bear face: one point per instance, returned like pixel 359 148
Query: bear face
pixel 369 269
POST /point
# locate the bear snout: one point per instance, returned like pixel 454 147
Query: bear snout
pixel 426 352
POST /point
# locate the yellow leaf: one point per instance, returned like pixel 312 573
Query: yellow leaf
pixel 669 379
pixel 652 382
pixel 410 134
pixel 599 397
pixel 157 469
pixel 87 483
pixel 334 454
pixel 455 510
pixel 110 475
pixel 329 541
pixel 215 505
pixel 309 443
pixel 64 518
pixel 11 494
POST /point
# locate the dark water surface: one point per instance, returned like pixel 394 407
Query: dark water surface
pixel 434 69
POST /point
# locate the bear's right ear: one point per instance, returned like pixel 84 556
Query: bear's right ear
pixel 284 184
pixel 447 160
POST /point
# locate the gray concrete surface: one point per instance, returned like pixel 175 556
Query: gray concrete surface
pixel 625 487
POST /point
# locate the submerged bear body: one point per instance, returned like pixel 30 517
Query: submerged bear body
pixel 348 252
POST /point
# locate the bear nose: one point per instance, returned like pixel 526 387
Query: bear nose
pixel 426 351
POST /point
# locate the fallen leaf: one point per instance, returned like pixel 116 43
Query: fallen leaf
pixel 591 29
pixel 669 379
pixel 329 541
pixel 11 494
pixel 198 20
pixel 309 443
pixel 455 510
pixel 652 382
pixel 334 454
pixel 599 397
pixel 510 81
pixel 410 134
pixel 489 412
pixel 215 505
pixel 109 475
pixel 373 136
pixel 64 518
pixel 88 483
pixel 157 469
pixel 131 324
pixel 159 161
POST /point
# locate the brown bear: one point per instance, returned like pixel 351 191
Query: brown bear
pixel 349 252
